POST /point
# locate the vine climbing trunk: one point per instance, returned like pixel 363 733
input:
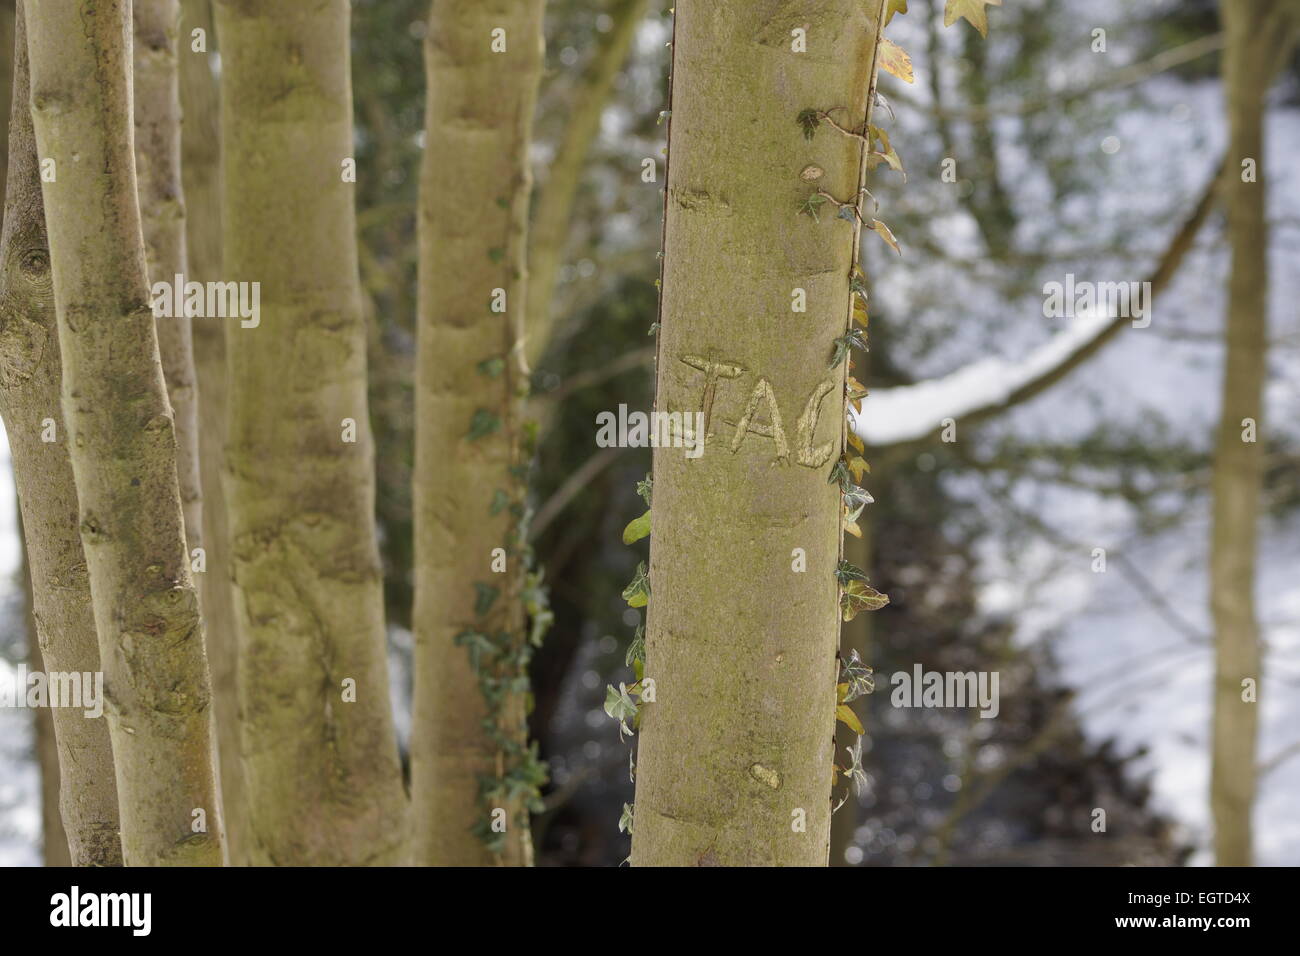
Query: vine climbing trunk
pixel 200 175
pixel 162 210
pixel 470 765
pixel 1254 33
pixel 319 749
pixel 121 437
pixel 62 624
pixel 735 760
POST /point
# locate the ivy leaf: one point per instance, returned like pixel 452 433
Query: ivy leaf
pixel 492 367
pixel 885 233
pixel 858 464
pixel 859 596
pixel 808 120
pixel 856 392
pixel 971 10
pixel 858 283
pixel 855 441
pixel 894 59
pixel 812 205
pixel 620 706
pixel 637 529
pixel 854 771
pixel 637 594
pixel 852 528
pixel 886 152
pixel 500 501
pixel 839 474
pixel 625 821
pixel 857 678
pixel 636 650
pixel 892 7
pixel 845 715
pixel 860 314
pixel 846 572
pixel 643 488
pixel 855 499
pixel 483 423
pixel 841 346
pixel 485 597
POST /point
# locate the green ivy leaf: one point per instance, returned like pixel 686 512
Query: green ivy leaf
pixel 620 706
pixel 637 529
pixel 492 367
pixel 808 121
pixel 812 205
pixel 483 423
pixel 859 596
pixel 856 678
pixel 485 597
pixel 636 650
pixel 637 594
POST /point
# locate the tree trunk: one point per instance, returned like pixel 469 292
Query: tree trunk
pixel 550 225
pixel 162 210
pixel 735 759
pixel 1254 33
pixel 320 755
pixel 200 175
pixel 30 378
pixel 54 838
pixel 121 437
pixel 468 487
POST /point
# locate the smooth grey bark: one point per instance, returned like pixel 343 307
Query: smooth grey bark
pixel 474 192
pixel 121 437
pixel 201 179
pixel 735 758
pixel 30 380
pixel 323 779
pixel 1259 36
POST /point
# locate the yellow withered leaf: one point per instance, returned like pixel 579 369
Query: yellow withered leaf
pixel 845 715
pixel 892 7
pixel 971 10
pixel 887 234
pixel 894 59
pixel 860 314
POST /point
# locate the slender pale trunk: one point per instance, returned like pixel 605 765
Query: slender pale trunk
pixel 1255 33
pixel 30 378
pixel 120 435
pixel 554 208
pixel 735 760
pixel 200 175
pixel 54 838
pixel 162 210
pixel 320 754
pixel 468 493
